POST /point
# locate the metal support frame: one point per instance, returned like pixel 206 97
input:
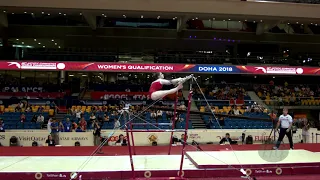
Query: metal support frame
pixel 131 131
pixel 173 122
pixel 181 174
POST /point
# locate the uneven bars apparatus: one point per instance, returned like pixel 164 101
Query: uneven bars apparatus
pixel 172 130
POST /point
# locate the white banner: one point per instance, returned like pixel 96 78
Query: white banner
pixel 26 138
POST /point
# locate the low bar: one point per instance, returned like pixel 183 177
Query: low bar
pixel 168 130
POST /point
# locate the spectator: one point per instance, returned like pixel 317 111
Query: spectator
pixel 2 126
pixel 40 119
pixel 106 118
pixel 104 108
pixel 96 132
pixel 74 126
pixel 92 118
pixel 67 125
pixel 40 109
pixel 34 118
pixel 226 139
pixel 48 125
pixel 61 127
pixel 22 118
pixel 79 129
pixel 117 124
pixel 78 114
pixel 55 131
pixel 83 124
pixel 234 111
pixel 50 141
pixel 181 140
pixel 121 141
pixel 28 109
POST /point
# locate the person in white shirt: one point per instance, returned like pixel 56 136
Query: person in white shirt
pixel 40 119
pixel 49 125
pixel 285 124
pixel 117 124
pixel 78 114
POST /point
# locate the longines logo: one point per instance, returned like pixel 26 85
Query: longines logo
pixel 2 137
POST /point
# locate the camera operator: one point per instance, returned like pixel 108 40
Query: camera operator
pixel 96 132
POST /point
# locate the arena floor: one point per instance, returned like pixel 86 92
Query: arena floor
pixel 215 162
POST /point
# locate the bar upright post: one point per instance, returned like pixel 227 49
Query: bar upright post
pixel 132 139
pixel 186 131
pixel 173 122
pixel 130 153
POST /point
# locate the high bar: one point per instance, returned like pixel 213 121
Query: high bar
pixel 166 130
pixel 164 124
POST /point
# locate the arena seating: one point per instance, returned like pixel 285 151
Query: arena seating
pixel 288 95
pixel 110 124
pixel 238 123
pixel 221 103
pixel 12 120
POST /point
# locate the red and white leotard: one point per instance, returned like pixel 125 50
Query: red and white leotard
pixel 155 86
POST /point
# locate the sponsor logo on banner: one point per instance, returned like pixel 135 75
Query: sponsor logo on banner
pixel 153 138
pixel 194 136
pixel 2 137
pixel 23 89
pixel 32 138
pixel 135 67
pixel 280 70
pixel 120 95
pixel 38 65
pixel 263 171
pixel 73 138
pixel 56 175
pixel 115 138
pixel 215 69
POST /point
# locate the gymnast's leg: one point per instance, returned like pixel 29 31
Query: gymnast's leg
pixel 162 93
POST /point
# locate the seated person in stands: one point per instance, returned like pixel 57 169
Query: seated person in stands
pixel 40 109
pixel 181 140
pixel 227 139
pixel 176 140
pixel 104 108
pixel 18 107
pixel 67 125
pixel 83 124
pixel 74 125
pixel 121 141
pixel 92 118
pixel 61 126
pixel 106 118
pixel 22 118
pixel 28 109
pixel 234 111
pixel 50 141
pixel 40 118
pixel 117 124
pixel 2 126
pixel 94 109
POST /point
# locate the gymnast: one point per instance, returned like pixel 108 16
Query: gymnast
pixel 156 86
